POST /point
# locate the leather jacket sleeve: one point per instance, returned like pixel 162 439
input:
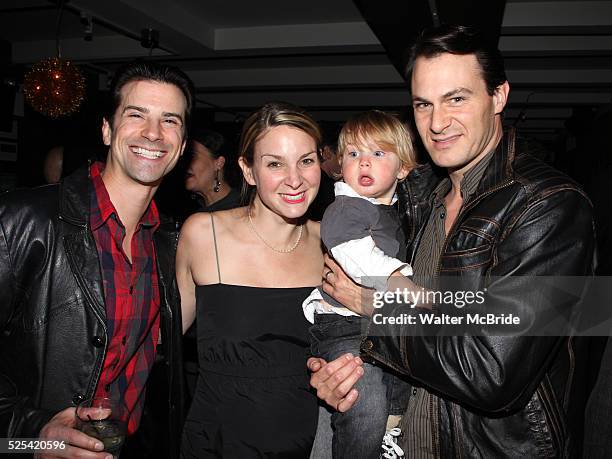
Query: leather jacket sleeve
pixel 8 283
pixel 18 418
pixel 549 236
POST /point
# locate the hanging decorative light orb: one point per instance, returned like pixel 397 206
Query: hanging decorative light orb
pixel 54 87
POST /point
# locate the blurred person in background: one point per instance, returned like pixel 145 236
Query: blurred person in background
pixel 330 173
pixel 205 175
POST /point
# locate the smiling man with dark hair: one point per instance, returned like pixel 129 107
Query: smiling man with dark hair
pixel 86 275
pixel 498 216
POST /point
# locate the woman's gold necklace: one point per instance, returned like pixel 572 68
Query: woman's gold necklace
pixel 290 249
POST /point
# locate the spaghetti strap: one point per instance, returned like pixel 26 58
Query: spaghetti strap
pixel 212 221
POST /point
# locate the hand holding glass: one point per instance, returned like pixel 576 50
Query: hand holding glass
pixel 105 419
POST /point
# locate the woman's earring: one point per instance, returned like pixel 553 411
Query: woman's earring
pixel 217 186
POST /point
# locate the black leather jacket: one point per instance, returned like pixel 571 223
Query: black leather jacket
pixel 509 396
pixel 52 316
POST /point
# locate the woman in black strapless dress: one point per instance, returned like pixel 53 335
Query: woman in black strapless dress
pixel 245 273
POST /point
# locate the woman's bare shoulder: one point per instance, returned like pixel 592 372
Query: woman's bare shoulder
pixel 196 225
pixel 203 221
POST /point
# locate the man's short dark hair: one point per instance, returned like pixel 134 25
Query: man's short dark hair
pixel 461 40
pixel 210 139
pixel 150 71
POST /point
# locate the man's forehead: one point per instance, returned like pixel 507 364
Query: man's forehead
pixel 445 73
pixel 145 92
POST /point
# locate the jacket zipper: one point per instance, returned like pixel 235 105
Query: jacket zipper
pixel 551 412
pixel 461 213
pixel 572 364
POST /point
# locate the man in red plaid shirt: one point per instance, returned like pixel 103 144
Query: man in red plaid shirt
pixel 86 275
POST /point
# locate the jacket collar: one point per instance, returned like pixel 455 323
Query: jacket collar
pixel 421 182
pixel 75 190
pixel 499 171
pixel 74 194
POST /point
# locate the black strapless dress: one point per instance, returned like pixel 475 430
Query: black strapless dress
pixel 252 398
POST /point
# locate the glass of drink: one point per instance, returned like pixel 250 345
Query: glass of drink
pixel 105 419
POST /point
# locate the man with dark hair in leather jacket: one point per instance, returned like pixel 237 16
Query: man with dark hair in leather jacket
pixel 497 218
pixel 87 286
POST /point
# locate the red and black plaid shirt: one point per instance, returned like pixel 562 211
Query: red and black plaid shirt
pixel 131 297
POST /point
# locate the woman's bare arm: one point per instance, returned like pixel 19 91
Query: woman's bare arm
pixel 186 248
